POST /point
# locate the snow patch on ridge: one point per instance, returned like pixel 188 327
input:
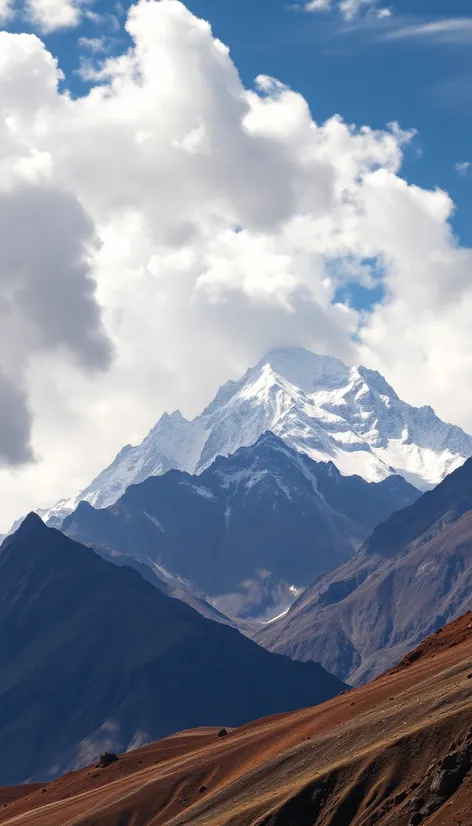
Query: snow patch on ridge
pixel 154 521
pixel 199 490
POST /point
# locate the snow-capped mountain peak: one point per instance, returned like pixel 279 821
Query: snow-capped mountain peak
pixel 350 416
pixel 305 370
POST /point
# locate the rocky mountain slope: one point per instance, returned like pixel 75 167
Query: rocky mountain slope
pixel 396 752
pixel 93 657
pixel 250 532
pixel 413 574
pixel 317 405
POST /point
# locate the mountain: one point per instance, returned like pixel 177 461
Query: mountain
pixel 397 752
pixel 172 587
pixel 317 405
pixel 250 532
pixel 413 574
pixel 94 658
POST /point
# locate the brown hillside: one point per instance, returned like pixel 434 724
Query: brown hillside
pixel 397 751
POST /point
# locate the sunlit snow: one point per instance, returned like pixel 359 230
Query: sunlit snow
pixel 317 405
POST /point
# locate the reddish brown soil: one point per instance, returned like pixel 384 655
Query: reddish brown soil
pixel 359 759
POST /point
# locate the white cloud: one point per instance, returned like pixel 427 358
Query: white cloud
pixel 47 245
pixel 318 5
pixel 349 9
pixel 96 45
pixel 50 15
pixel 6 10
pixel 210 217
pixel 91 51
pixel 463 167
pixel 106 20
pixel 384 13
pixel 446 30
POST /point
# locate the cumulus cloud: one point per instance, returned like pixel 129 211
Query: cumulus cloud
pixel 46 15
pixel 50 15
pixel 15 424
pixel 47 243
pixel 194 224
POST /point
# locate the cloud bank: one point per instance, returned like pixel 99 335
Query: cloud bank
pixel 162 232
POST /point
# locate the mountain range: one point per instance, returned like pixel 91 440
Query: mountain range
pixel 413 574
pixel 250 532
pixel 317 405
pixel 95 658
pixel 288 501
pixel 396 752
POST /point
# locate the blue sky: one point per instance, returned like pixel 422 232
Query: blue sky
pixel 355 68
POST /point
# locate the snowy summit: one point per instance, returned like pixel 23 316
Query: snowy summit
pixel 317 405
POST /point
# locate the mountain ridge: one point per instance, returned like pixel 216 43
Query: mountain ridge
pixel 94 658
pixel 250 532
pixel 413 574
pixel 317 404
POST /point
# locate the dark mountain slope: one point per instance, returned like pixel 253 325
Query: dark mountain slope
pixel 426 517
pixel 413 574
pixel 172 588
pixel 250 531
pixel 93 657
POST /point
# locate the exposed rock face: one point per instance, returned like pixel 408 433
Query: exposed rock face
pixel 106 759
pixel 442 781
